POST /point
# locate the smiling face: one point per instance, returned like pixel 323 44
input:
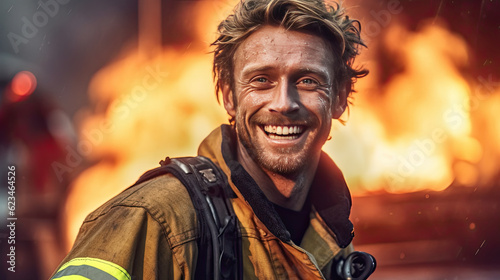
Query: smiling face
pixel 282 99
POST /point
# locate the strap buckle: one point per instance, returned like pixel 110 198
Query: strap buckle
pixel 208 175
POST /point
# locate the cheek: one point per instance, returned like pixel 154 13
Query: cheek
pixel 321 106
pixel 250 102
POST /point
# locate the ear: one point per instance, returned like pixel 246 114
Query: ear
pixel 227 98
pixel 340 103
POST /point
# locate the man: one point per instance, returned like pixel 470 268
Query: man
pixel 284 69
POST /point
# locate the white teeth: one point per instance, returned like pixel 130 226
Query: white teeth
pixel 272 136
pixel 282 130
pixel 279 130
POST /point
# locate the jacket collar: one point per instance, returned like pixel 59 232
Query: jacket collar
pixel 329 193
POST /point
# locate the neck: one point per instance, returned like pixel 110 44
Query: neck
pixel 288 191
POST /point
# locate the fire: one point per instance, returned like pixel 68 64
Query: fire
pixel 420 129
pixel 424 128
pixel 145 108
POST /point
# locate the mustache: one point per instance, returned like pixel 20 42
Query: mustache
pixel 282 120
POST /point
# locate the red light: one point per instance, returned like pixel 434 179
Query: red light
pixel 22 85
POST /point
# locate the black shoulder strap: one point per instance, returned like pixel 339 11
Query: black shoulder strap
pixel 219 247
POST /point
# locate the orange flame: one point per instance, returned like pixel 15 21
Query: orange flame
pixel 413 132
pixel 144 109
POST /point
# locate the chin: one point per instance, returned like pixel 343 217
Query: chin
pixel 283 164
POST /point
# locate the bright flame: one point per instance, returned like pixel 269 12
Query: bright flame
pixel 411 133
pixel 145 110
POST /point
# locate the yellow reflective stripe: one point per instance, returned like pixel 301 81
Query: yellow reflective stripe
pixel 112 269
pixel 72 277
pixel 86 271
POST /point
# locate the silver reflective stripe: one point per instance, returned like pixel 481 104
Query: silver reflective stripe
pixel 85 271
pixel 91 268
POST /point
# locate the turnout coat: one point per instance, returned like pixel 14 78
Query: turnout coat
pixel 149 231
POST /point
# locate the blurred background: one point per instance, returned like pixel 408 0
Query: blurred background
pixel 93 93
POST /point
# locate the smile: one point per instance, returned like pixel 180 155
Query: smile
pixel 279 132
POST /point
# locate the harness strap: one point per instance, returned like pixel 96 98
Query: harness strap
pixel 219 244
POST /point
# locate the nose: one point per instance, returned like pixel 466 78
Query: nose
pixel 285 99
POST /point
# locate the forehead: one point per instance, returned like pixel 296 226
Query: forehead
pixel 276 46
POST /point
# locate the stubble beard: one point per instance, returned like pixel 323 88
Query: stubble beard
pixel 288 162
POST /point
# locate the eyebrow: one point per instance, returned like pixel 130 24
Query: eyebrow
pixel 251 69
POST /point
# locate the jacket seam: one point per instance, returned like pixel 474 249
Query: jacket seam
pixel 119 202
pixel 163 226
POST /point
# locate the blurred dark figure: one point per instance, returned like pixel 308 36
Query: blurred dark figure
pixel 33 135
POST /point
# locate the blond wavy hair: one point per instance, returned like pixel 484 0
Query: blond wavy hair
pixel 312 16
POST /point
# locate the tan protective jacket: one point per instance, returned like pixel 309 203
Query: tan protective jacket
pixel 149 231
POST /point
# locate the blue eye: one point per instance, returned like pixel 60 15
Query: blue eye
pixel 260 83
pixel 308 81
